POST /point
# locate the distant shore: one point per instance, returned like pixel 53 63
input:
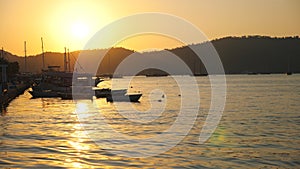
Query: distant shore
pixel 239 55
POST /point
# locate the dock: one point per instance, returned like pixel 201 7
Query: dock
pixel 11 93
pixel 13 87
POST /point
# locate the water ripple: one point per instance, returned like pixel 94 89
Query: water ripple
pixel 259 129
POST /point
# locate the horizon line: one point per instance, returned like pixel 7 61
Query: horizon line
pixel 215 39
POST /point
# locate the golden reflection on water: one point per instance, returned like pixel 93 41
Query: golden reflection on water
pixel 77 142
pixel 218 137
pixel 259 128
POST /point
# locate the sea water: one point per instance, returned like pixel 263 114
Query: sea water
pixel 259 127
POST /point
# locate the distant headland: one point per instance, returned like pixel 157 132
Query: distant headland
pixel 239 55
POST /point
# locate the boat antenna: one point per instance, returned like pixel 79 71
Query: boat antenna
pixel 25 56
pixel 43 54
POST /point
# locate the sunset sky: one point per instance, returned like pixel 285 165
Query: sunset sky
pixel 72 22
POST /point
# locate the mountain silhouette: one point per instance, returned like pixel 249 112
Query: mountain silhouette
pixel 247 54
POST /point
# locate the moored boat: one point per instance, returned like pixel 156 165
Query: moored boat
pixel 55 83
pixel 43 93
pixel 104 92
pixel 123 97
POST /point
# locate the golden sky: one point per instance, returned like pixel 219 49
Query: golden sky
pixel 72 22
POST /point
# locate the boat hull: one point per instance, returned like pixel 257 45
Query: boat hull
pixel 124 98
pixel 103 93
pixel 43 94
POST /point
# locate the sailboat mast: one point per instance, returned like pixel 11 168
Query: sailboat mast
pixel 25 56
pixel 43 54
pixel 69 64
pixel 65 60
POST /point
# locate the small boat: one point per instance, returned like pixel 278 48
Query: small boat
pixel 156 75
pixel 70 96
pixel 200 74
pixel 104 92
pixel 51 84
pixel 43 93
pixel 134 97
pixel 67 85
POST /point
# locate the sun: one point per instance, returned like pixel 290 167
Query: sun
pixel 79 30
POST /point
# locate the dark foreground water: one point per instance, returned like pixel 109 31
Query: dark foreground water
pixel 259 128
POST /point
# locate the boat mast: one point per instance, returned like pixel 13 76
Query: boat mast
pixel 25 56
pixel 69 64
pixel 43 54
pixel 65 60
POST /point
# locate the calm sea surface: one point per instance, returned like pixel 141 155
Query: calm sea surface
pixel 260 127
